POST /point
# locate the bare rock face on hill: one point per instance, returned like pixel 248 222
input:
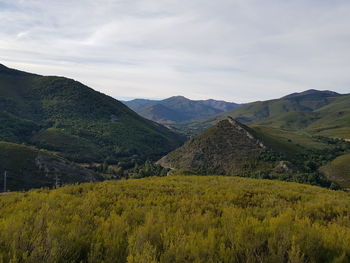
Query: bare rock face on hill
pixel 228 148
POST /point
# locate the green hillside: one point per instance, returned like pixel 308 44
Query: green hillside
pixel 332 120
pixel 287 142
pixel 339 170
pixel 83 125
pixel 307 101
pixel 28 167
pixel 177 219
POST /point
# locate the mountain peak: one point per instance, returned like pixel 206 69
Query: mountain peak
pixel 179 108
pixel 226 148
pixel 178 97
pixel 312 92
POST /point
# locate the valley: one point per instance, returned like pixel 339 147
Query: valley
pixel 299 137
pixel 174 131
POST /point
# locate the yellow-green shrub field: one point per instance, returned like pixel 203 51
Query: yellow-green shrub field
pixel 177 219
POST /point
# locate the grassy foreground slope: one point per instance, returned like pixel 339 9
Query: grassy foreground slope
pixel 177 219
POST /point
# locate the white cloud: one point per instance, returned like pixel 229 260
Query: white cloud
pixel 238 50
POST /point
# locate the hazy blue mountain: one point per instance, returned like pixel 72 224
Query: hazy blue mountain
pixel 178 108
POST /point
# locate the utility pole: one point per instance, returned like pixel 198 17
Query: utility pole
pixel 56 181
pixel 5 177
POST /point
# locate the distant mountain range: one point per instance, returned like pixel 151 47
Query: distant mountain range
pixel 178 109
pixel 299 132
pixel 325 113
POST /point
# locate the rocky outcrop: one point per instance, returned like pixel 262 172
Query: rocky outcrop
pixel 285 167
pixel 238 126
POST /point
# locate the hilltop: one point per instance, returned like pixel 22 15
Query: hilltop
pixel 79 123
pixel 228 147
pixel 178 109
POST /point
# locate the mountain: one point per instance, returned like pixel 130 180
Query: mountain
pixel 220 104
pixel 232 148
pixel 228 147
pixel 82 125
pixel 313 93
pixel 178 109
pixel 28 167
pixel 162 114
pixel 318 112
pixel 138 105
pixel 307 101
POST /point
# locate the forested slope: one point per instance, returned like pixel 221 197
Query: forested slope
pixel 83 125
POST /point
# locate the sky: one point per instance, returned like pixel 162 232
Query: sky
pixel 233 50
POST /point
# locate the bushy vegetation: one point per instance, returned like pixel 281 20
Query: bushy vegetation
pixel 146 170
pixel 177 219
pixel 125 171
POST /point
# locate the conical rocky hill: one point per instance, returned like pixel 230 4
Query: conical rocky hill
pixel 228 148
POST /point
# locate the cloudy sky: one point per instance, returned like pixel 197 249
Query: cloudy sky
pixel 236 50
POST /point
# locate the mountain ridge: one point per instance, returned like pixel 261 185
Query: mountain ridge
pixel 180 108
pixel 100 126
pixel 307 107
